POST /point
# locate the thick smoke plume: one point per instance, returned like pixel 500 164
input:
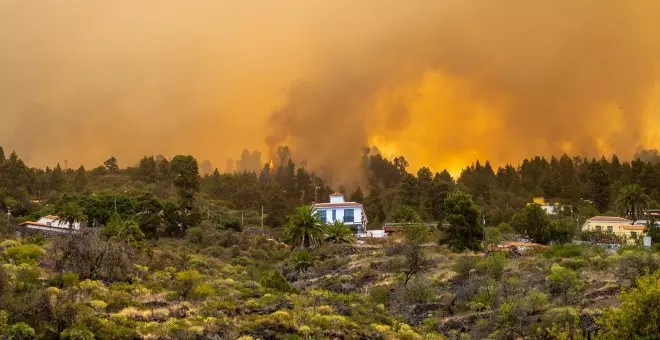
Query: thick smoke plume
pixel 441 82
pixel 453 81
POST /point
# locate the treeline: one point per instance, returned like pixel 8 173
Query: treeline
pixel 388 190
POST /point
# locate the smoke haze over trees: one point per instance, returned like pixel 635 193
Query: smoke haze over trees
pixel 443 83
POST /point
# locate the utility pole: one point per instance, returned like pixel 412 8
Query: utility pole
pixel 262 217
pixel 241 218
pixel 8 214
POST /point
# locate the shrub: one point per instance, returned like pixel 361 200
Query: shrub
pixel 379 294
pixel 493 265
pixel 77 332
pixel 24 253
pixel 563 281
pixel 4 316
pixel 638 316
pixel 92 257
pixel 635 263
pixel 464 265
pixel 534 302
pixel 8 243
pixel 69 279
pixel 202 291
pixel 565 250
pixel 275 280
pixel 419 291
pixel 20 331
pixel 187 281
pixel 302 259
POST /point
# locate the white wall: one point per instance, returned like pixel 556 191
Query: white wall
pixel 336 199
pixel 57 224
pixel 357 213
pixel 52 229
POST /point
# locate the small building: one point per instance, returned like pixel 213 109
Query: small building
pixel 605 223
pixel 549 208
pixel 51 223
pixel 652 214
pixel 337 209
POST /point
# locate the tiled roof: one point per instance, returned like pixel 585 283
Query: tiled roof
pixel 52 217
pixel 336 194
pixel 33 223
pixel 609 219
pixel 634 227
pixel 340 204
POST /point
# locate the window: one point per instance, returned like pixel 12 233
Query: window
pixel 633 234
pixel 599 228
pixel 610 229
pixel 334 215
pixel 349 215
pixel 50 224
pixel 322 216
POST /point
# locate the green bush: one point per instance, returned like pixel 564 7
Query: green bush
pixel 565 250
pixel 4 316
pixel 202 291
pixel 638 315
pixel 379 294
pixel 419 291
pixel 275 280
pixel 493 265
pixel 69 279
pixel 187 281
pixel 20 331
pixel 563 281
pixel 24 253
pixel 77 332
pixel 464 265
pixel 302 259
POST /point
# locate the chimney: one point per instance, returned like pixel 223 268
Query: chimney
pixel 336 198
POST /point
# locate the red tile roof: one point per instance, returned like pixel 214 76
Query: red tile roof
pixel 339 204
pixel 336 194
pixel 609 219
pixel 634 227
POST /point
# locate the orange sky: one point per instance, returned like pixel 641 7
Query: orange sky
pixel 441 82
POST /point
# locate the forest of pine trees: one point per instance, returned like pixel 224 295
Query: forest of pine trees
pixel 387 185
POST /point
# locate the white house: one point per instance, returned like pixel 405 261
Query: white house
pixel 51 223
pixel 351 213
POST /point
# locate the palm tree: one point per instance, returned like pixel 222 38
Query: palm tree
pixel 305 227
pixel 70 213
pixel 338 232
pixel 631 200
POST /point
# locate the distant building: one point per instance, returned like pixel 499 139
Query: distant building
pixel 605 223
pixel 550 209
pixel 652 214
pixel 618 226
pixel 351 213
pixel 51 223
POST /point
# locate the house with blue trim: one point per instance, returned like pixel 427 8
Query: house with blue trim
pixel 337 209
